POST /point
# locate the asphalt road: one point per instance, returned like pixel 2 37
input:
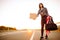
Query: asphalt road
pixel 28 35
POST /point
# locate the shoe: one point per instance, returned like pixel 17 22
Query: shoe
pixel 41 38
pixel 46 37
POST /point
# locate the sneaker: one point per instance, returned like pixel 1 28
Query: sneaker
pixel 41 38
pixel 46 37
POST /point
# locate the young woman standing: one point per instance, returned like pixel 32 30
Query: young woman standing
pixel 44 13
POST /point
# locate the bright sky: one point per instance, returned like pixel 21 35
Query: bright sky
pixel 15 13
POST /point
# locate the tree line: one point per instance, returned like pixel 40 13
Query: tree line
pixel 6 28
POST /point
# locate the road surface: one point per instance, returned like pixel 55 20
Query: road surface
pixel 28 35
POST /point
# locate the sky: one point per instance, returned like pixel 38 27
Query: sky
pixel 15 13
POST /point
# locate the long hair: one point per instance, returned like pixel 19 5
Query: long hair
pixel 42 5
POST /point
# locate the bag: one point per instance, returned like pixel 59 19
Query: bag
pixel 50 24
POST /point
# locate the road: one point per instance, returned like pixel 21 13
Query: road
pixel 28 35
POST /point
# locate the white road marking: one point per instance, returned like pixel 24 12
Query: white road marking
pixel 32 36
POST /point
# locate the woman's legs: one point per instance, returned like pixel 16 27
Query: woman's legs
pixel 42 28
pixel 47 32
pixel 43 22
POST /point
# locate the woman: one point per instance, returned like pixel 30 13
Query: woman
pixel 44 13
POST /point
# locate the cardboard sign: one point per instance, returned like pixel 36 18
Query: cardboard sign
pixel 33 16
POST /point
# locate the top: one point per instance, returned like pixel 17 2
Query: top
pixel 43 12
